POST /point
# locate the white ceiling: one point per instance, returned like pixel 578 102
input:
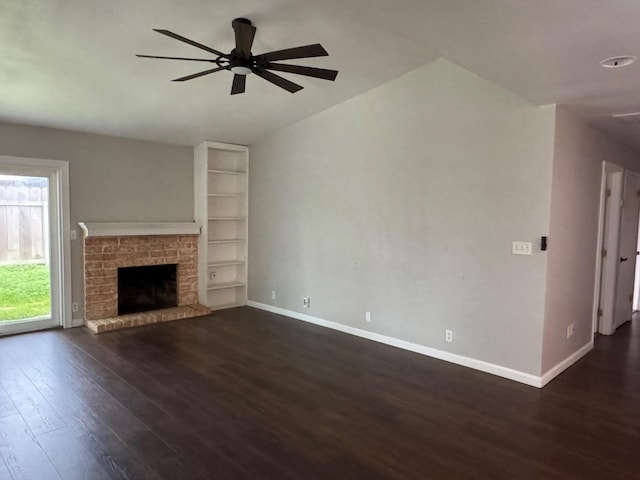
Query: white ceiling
pixel 71 63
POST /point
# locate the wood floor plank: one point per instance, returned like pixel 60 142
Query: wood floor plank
pixel 169 414
pixel 88 430
pixel 7 407
pixel 22 454
pixel 201 419
pixel 69 458
pixel 35 410
pixel 124 424
pixel 4 471
pixel 248 394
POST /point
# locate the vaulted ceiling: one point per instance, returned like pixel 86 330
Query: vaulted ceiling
pixel 71 63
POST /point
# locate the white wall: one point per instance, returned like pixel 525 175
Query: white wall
pixel 404 202
pixel 573 234
pixel 111 179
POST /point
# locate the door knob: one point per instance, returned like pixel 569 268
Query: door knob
pixel 622 259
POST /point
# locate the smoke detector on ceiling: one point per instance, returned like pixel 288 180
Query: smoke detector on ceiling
pixel 619 61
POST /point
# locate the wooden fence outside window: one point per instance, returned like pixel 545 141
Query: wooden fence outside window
pixel 23 220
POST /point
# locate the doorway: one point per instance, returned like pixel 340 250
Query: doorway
pixel 628 245
pixel 34 245
pixel 617 246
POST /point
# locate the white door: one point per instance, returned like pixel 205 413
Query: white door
pixel 636 287
pixel 34 247
pixel 608 255
pixel 627 249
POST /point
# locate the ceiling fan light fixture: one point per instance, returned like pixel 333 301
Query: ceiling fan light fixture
pixel 240 70
pixel 619 61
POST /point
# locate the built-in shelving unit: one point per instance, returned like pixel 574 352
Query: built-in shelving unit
pixel 221 203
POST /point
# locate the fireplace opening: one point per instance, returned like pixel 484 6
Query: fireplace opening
pixel 141 289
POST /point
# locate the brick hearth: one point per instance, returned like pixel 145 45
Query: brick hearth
pixel 104 255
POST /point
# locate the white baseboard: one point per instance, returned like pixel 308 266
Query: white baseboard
pixel 77 322
pixel 566 363
pixel 486 367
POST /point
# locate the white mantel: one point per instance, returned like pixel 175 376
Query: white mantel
pixel 95 229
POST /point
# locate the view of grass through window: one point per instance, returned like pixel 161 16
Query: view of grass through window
pixel 24 291
pixel 24 266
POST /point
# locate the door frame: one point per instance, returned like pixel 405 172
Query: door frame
pixel 606 267
pixel 57 171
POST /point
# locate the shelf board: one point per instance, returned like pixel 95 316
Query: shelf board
pixel 226 172
pixel 226 240
pixel 226 305
pixel 228 263
pixel 228 195
pixel 227 218
pixel 221 286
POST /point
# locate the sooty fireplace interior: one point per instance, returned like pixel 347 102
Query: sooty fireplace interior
pixel 141 289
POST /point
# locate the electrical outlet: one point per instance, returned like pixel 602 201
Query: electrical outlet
pixel 448 335
pixel 367 316
pixel 212 275
pixel 570 330
pixel 273 294
pixel 74 307
pixel 522 248
pixel 306 302
pixel 74 235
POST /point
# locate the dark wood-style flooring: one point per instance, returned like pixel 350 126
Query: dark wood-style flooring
pixel 245 394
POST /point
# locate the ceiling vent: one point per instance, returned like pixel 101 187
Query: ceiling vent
pixel 619 61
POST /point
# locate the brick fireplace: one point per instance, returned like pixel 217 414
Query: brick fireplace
pixel 108 247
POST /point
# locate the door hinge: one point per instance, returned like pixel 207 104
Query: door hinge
pixel 608 192
pixel 600 312
pixel 604 253
pixel 631 298
pixel 638 193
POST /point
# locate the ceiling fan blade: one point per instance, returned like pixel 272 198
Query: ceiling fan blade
pixel 307 51
pixel 190 42
pixel 239 84
pixel 179 58
pixel 278 80
pixel 196 75
pixel 245 33
pixel 300 70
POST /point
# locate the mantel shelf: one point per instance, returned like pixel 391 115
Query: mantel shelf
pixel 96 229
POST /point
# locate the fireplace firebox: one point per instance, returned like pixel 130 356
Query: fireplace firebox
pixel 146 288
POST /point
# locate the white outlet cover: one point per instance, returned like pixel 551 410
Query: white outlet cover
pixel 522 248
pixel 570 330
pixel 367 316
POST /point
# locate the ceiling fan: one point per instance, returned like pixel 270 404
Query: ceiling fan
pixel 242 62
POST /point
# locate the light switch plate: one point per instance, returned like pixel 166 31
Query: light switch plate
pixel 522 248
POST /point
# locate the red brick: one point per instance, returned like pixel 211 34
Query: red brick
pixel 107 280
